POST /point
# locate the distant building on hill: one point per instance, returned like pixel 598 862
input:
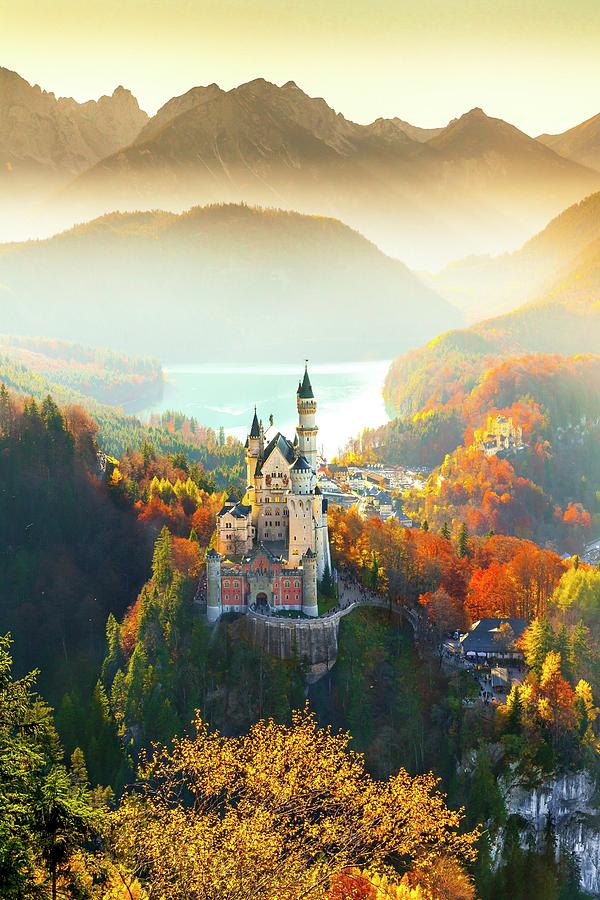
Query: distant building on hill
pixel 273 545
pixel 500 436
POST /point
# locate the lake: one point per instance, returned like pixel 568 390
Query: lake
pixel 348 397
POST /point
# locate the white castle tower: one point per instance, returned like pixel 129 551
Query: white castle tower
pixel 307 426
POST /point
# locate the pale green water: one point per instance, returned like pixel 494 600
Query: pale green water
pixel 348 397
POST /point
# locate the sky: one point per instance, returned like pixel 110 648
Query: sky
pixel 535 63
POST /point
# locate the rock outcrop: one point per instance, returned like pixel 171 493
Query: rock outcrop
pixel 572 803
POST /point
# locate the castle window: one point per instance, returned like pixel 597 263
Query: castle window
pixel 226 582
pixel 287 584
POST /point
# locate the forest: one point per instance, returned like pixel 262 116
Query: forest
pixel 106 376
pixel 144 693
pixel 548 492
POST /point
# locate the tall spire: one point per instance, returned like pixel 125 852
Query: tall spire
pixel 305 391
pixel 255 427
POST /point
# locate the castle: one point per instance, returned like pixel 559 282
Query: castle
pixel 500 436
pixel 273 545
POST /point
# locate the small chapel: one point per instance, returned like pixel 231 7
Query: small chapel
pixel 273 545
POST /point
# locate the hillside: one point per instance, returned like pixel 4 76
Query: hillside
pixel 481 286
pixel 580 143
pixel 182 287
pixel 110 378
pixel 565 320
pixel 474 186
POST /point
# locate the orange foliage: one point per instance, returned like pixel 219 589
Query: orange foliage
pixel 503 576
pixel 575 514
pixel 186 556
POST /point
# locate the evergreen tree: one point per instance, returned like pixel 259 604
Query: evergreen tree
pixel 79 768
pixel 328 584
pixel 580 652
pixel 162 569
pixel 445 532
pixel 114 658
pixel 462 548
pixel 45 813
pixel 64 820
pixel 180 461
pixel 7 413
pixel 514 705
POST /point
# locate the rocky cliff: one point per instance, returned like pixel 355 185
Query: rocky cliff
pixel 573 804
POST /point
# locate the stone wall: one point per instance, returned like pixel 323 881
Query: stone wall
pixel 315 642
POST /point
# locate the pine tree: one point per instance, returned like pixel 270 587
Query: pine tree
pixel 562 646
pixel 65 819
pixel 148 453
pixel 445 532
pixel 425 525
pixel 162 569
pixel 114 658
pixel 7 413
pixel 79 768
pixel 463 541
pixel 327 585
pixel 514 706
pixel 45 816
pixel 580 652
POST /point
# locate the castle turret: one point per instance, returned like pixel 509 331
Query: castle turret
pixel 302 476
pixel 310 605
pixel 307 427
pixel 213 577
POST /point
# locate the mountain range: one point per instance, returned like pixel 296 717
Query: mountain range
pixel 45 138
pixel 581 143
pixel 424 195
pixel 199 286
pixel 563 317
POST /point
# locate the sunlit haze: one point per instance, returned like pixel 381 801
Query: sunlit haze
pixel 530 63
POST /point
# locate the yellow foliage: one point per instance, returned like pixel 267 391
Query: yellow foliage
pixel 275 814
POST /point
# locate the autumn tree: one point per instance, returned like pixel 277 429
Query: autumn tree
pixel 277 813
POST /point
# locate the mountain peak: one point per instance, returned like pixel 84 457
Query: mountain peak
pixel 256 84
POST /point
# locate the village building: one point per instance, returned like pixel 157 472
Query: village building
pixel 273 545
pixel 493 639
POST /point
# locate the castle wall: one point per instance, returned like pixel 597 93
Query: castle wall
pixel 314 642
